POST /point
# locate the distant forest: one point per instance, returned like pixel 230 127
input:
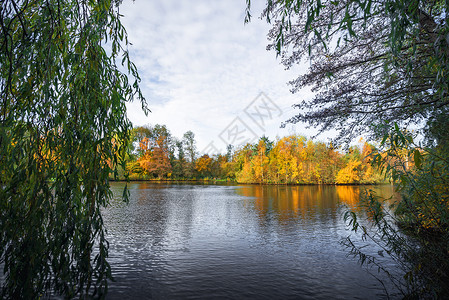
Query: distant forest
pixel 157 155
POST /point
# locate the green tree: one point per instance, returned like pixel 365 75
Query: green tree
pixel 190 149
pixel 62 104
pixel 180 161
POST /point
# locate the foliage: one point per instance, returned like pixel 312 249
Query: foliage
pixel 359 167
pixel 154 151
pixel 296 160
pixel 203 165
pixel 415 230
pixel 155 159
pixel 179 163
pixel 370 61
pixel 161 155
pixel 290 160
pixel 350 173
pixel 62 107
pixel 190 149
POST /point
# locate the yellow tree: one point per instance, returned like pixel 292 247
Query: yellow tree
pixel 327 162
pixel 289 167
pixel 369 174
pixel 312 164
pixel 242 164
pixel 350 173
pixel 203 165
pixel 225 167
pixel 260 162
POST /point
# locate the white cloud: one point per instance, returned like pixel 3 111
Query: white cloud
pixel 201 66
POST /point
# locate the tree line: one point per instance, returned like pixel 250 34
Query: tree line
pixel 155 154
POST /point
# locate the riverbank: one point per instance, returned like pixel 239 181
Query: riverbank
pixel 230 181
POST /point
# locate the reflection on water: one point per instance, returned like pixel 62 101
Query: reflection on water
pixel 298 201
pixel 252 241
pixel 350 195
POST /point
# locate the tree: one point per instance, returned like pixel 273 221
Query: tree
pixel 141 135
pixel 370 174
pixel 156 153
pixel 190 149
pixel 242 164
pixel 285 156
pixel 156 161
pixel 222 166
pixel 260 160
pixel 180 162
pixel 62 103
pixel 350 173
pixel 229 150
pixel 415 233
pixel 377 66
pixel 203 165
pixel 370 62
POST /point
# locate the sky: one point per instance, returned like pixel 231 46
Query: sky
pixel 204 70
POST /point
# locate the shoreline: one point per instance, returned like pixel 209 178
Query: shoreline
pixel 222 181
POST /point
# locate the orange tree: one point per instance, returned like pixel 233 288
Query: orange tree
pixel 203 165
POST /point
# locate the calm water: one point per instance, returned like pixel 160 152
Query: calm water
pixel 234 242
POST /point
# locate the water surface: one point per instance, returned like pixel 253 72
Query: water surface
pixel 234 242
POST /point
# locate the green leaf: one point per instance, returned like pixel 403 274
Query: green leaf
pixel 417 158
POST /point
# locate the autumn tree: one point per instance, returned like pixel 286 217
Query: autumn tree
pixel 293 159
pixel 155 161
pixel 351 173
pixel 203 165
pixel 155 150
pixel 260 160
pixel 140 138
pixel 370 174
pixel 330 161
pixel 287 167
pixel 63 93
pixel 242 164
pixel 221 166
pixel 141 135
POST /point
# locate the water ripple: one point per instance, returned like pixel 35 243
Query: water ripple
pixel 232 242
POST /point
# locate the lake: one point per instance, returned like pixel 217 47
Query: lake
pixel 193 241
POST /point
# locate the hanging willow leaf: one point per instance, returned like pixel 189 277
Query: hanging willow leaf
pixel 62 105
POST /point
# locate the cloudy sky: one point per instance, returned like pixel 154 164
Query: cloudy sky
pixel 203 70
